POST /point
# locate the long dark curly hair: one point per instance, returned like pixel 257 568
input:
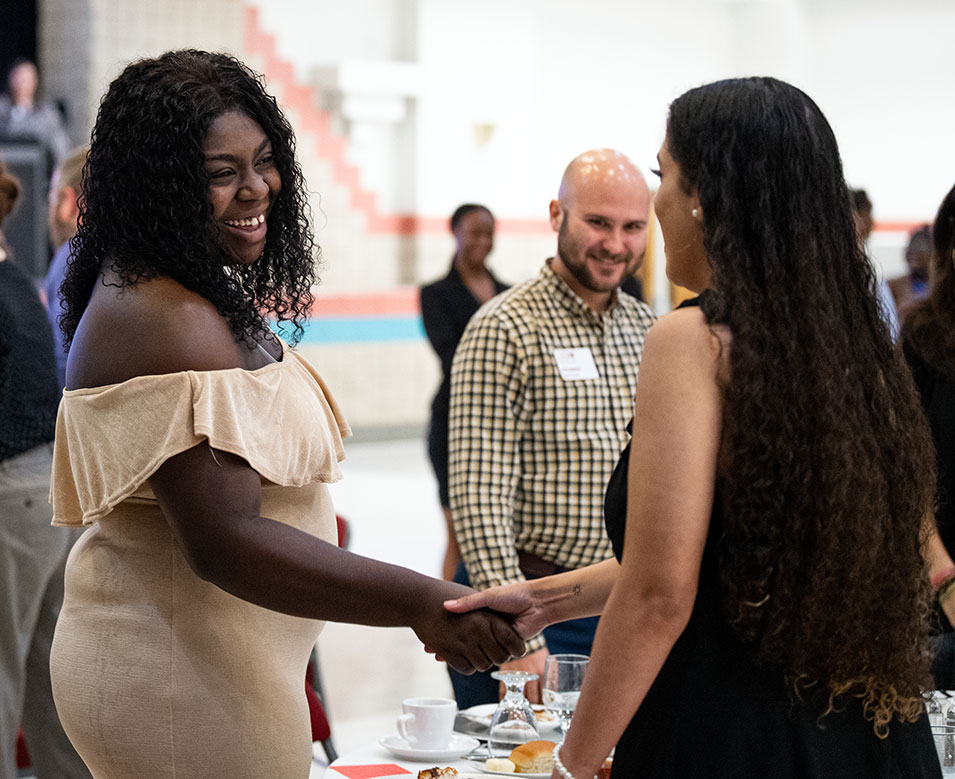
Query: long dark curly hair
pixel 830 463
pixel 145 210
pixel 930 324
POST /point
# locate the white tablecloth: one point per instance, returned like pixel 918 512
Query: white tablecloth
pixel 374 754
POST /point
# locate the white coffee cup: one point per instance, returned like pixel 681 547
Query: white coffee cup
pixel 427 723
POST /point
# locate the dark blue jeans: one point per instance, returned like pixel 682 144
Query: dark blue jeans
pixel 575 636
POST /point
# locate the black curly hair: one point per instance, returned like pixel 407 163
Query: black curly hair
pixel 145 210
pixel 831 469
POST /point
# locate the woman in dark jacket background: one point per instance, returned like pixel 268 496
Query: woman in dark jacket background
pixel 446 307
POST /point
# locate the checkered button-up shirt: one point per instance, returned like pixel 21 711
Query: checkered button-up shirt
pixel 530 451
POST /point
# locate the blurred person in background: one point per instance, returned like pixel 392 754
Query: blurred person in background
pixel 9 192
pixel 861 207
pixel 914 285
pixel 447 306
pixel 769 613
pixel 25 116
pixel 66 188
pixel 928 339
pixel 32 553
pixel 861 214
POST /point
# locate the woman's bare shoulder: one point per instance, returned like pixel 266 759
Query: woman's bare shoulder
pixel 687 328
pixel 151 327
pixel 691 344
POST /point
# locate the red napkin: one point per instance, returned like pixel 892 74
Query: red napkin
pixel 370 771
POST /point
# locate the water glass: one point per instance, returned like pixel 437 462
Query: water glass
pixel 944 737
pixel 514 721
pixel 560 686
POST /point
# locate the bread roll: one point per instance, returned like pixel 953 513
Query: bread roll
pixel 534 757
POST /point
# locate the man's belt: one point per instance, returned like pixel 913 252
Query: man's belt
pixel 534 567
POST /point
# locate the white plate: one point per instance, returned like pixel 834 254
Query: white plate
pixel 546 722
pixel 479 764
pixel 459 747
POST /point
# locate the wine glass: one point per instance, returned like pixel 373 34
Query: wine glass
pixel 514 721
pixel 560 686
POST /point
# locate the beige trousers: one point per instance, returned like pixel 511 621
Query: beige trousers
pixel 32 556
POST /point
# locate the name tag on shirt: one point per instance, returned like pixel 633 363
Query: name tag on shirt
pixel 576 364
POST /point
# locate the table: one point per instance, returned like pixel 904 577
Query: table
pixel 372 761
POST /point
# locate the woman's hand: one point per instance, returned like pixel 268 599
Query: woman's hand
pixel 575 769
pixel 516 599
pixel 947 604
pixel 537 603
pixel 940 567
pixel 474 640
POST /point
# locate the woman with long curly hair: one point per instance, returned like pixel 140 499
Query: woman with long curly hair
pixel 196 446
pixel 928 339
pixel 769 612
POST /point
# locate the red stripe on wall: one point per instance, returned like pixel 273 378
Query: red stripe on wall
pixel 897 227
pixel 402 301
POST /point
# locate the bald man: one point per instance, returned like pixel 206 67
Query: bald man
pixel 542 389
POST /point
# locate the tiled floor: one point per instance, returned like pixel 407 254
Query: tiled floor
pixel 389 497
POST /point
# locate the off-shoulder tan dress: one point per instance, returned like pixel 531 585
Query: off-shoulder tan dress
pixel 157 673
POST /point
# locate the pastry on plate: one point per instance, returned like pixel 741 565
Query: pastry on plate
pixel 437 773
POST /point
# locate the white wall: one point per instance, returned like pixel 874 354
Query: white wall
pixel 444 101
pixel 550 78
pixel 882 73
pixel 554 79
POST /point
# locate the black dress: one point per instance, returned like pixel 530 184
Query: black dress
pixel 447 306
pixel 715 711
pixel 937 390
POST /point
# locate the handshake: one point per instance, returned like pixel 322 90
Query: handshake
pixel 473 631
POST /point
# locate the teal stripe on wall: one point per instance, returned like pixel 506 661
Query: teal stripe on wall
pixel 344 330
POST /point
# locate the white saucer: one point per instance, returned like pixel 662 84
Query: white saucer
pixel 457 747
pixel 479 763
pixel 482 714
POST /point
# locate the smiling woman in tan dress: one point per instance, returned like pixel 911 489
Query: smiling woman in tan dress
pixel 196 447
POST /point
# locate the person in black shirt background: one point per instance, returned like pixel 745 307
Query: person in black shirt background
pixel 32 552
pixel 928 340
pixel 447 306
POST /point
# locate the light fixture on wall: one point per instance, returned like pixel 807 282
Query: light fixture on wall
pixel 483 132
